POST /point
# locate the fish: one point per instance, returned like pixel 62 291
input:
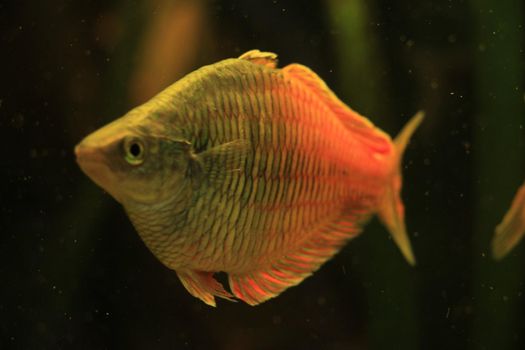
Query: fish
pixel 510 231
pixel 251 170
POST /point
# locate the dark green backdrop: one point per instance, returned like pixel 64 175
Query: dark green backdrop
pixel 73 272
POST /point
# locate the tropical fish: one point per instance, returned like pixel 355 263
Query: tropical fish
pixel 510 231
pixel 245 168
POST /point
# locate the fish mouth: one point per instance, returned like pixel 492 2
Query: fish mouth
pixel 88 156
pixel 94 164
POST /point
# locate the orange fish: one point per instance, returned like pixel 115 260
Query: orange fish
pixel 510 231
pixel 259 172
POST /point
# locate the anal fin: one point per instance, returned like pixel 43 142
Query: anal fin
pixel 202 285
pixel 291 269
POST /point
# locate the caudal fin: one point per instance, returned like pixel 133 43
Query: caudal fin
pixel 510 231
pixel 392 210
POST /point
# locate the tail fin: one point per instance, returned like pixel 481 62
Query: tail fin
pixel 392 211
pixel 510 231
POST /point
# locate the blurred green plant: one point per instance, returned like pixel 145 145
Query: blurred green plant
pixel 499 156
pixel 390 292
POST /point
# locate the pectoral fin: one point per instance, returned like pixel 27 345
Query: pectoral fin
pixel 219 162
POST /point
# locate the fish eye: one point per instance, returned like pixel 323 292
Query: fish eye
pixel 133 151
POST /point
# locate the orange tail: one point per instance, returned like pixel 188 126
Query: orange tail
pixel 392 211
pixel 510 231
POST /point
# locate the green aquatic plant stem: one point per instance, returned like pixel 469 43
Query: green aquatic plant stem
pixel 360 65
pixel 391 292
pixel 498 167
pixel 71 255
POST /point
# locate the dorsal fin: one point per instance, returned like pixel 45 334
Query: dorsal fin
pixel 359 125
pixel 268 59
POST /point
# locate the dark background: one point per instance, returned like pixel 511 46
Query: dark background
pixel 73 272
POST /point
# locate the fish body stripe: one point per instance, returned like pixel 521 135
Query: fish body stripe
pixel 293 180
pixel 260 172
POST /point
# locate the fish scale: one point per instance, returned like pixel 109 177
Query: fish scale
pixel 262 173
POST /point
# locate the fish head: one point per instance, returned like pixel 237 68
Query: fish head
pixel 135 162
